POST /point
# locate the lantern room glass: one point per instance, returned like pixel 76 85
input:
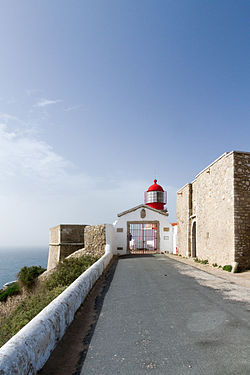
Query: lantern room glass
pixel 155 197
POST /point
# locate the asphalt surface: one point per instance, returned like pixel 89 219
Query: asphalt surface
pixel 154 319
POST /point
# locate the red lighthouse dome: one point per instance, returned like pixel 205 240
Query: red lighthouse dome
pixel 155 196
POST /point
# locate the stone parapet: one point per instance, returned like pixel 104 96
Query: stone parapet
pixel 65 239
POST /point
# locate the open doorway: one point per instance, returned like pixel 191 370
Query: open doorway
pixel 193 247
pixel 142 238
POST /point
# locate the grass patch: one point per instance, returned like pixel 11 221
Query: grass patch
pixel 66 273
pixel 69 270
pixel 205 261
pixel 227 267
pixel 12 290
pixel 197 260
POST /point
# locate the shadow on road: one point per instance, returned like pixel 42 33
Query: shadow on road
pixel 136 256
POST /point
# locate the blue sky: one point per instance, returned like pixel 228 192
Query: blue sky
pixel 99 97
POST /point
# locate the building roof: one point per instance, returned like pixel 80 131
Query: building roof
pixel 210 165
pixel 143 206
pixel 155 187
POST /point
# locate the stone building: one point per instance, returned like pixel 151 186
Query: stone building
pixel 213 212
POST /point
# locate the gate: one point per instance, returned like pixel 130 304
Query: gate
pixel 142 238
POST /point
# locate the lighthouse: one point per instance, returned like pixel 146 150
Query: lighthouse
pixel 145 229
pixel 155 196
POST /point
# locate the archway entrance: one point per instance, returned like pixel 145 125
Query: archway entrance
pixel 143 237
pixel 193 247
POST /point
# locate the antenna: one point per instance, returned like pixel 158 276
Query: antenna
pixel 155 173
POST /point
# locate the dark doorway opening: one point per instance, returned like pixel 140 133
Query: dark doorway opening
pixel 193 249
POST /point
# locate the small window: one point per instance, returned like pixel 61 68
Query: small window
pixel 166 229
pixel 119 230
pixel 119 248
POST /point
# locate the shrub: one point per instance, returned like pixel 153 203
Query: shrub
pixel 28 275
pixel 10 291
pixel 69 270
pixel 215 265
pixel 227 267
pixel 197 260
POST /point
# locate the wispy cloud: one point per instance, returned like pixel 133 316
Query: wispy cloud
pixel 6 117
pixel 46 102
pixel 73 107
pixel 25 156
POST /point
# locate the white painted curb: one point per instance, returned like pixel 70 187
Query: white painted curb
pixel 27 351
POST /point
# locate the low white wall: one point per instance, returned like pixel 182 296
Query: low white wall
pixel 110 237
pixel 27 351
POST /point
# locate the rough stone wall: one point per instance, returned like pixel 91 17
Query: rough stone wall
pixel 242 208
pixel 95 239
pixel 65 239
pixel 183 207
pixel 213 192
pixel 209 201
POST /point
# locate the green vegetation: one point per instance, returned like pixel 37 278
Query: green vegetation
pixel 197 260
pixel 28 275
pixel 227 267
pixel 205 261
pixel 215 265
pixel 67 271
pixel 10 291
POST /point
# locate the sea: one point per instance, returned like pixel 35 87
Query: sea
pixel 12 259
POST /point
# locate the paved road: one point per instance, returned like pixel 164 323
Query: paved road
pixel 157 320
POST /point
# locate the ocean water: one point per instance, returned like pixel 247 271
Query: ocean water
pixel 14 258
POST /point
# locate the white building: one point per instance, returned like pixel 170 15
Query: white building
pixel 144 229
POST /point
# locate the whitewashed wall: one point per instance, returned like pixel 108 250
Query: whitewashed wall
pixel 27 351
pixel 120 238
pixel 174 234
pixel 110 237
